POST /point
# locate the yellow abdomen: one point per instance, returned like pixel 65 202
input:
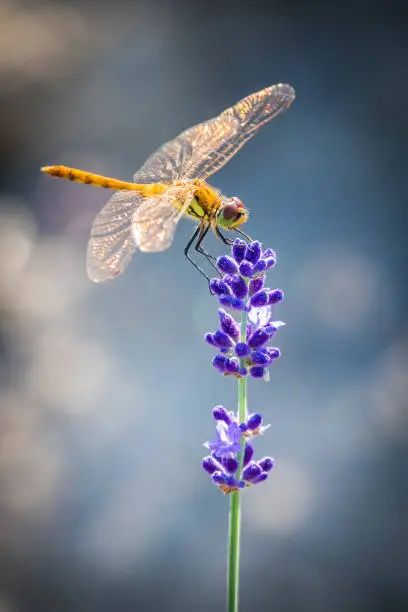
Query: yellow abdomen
pixel 88 178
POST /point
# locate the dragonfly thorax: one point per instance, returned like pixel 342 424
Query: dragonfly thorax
pixel 232 213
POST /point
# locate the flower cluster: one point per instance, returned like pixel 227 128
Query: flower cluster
pixel 223 464
pixel 242 288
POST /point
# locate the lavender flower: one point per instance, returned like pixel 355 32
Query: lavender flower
pixel 223 464
pixel 242 289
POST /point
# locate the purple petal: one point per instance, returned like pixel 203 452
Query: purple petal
pixel 228 324
pixel 219 363
pixel 256 284
pixel 230 301
pixel 254 421
pixel 227 265
pixel 266 464
pixel 221 414
pixel 239 287
pixel 238 250
pixel 251 471
pixel 230 464
pixel 248 453
pixel 210 465
pixel 259 299
pixel 219 287
pixel 258 338
pixel 246 269
pixel 253 251
pixel 242 349
pixel 222 339
pixel 257 371
pixel 275 296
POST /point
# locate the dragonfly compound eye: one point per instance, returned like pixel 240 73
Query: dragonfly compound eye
pixel 232 213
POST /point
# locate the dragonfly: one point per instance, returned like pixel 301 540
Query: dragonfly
pixel 143 214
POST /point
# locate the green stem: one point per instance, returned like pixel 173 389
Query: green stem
pixel 235 501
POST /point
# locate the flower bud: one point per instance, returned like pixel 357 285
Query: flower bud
pixel 242 349
pixel 275 296
pixel 246 269
pixel 253 251
pixel 227 265
pixel 254 421
pixel 219 287
pixel 221 414
pixel 238 250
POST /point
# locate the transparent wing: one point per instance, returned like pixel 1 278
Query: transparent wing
pixel 155 221
pixel 173 160
pixel 111 244
pixel 205 148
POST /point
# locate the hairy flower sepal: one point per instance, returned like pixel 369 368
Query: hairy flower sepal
pixel 223 464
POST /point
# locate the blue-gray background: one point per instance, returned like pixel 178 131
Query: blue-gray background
pixel 107 390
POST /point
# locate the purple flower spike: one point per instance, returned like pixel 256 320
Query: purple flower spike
pixel 219 287
pixel 230 301
pixel 248 454
pixel 256 284
pixel 239 287
pixel 242 349
pixel 275 296
pixel 238 250
pixel 253 252
pixel 222 339
pixel 227 265
pixel 257 372
pixel 210 465
pixel 254 421
pixel 242 288
pixel 259 299
pixel 221 414
pixel 266 464
pixel 246 269
pixel 251 471
pixel 223 464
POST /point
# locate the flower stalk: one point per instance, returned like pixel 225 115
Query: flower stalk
pixel 234 533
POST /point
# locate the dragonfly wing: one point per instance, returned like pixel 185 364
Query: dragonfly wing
pixel 154 223
pixel 173 160
pixel 111 244
pixel 203 149
pixel 250 114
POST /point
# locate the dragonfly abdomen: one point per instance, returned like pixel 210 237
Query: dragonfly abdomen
pixel 97 180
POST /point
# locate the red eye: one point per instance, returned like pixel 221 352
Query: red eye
pixel 238 202
pixel 230 210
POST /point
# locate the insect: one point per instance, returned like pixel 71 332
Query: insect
pixel 143 214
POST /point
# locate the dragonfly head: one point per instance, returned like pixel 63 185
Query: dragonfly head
pixel 232 213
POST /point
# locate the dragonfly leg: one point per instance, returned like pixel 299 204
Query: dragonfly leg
pixel 225 240
pixel 197 233
pixel 248 238
pixel 210 258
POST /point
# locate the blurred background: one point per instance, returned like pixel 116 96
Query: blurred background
pixel 106 390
